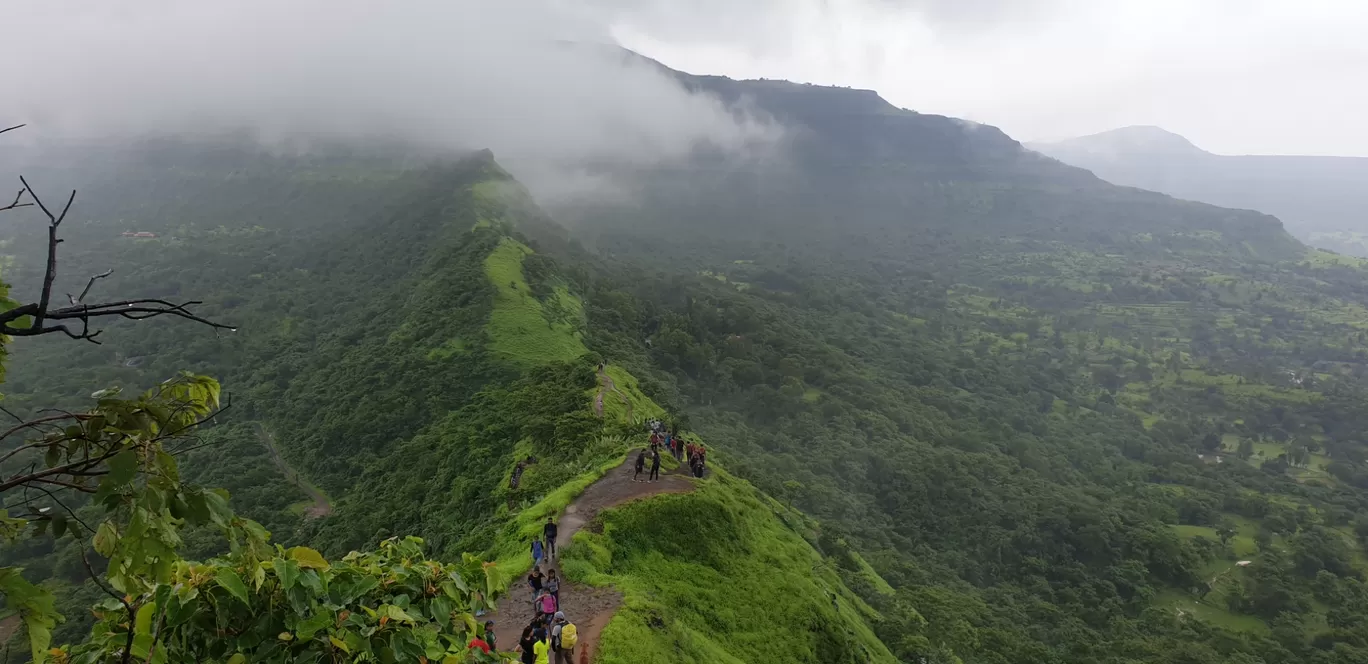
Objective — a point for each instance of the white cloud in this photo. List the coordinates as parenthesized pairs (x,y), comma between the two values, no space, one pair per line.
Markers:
(1278,76)
(447,74)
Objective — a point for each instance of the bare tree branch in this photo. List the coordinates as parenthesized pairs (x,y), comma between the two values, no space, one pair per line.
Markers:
(16,204)
(50,275)
(63,505)
(33,424)
(102,275)
(80,468)
(13,323)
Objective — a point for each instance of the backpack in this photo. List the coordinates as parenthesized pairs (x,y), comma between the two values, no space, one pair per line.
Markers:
(553,585)
(569,636)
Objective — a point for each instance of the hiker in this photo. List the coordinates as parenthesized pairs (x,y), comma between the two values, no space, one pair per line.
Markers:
(565,636)
(534,580)
(542,650)
(478,642)
(526,645)
(490,637)
(640,464)
(553,585)
(549,531)
(557,622)
(537,551)
(655,466)
(546,604)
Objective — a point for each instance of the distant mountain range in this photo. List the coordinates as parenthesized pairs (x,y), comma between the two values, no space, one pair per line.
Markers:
(1323,200)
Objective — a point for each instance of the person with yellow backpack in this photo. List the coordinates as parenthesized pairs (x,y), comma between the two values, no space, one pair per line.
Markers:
(564,638)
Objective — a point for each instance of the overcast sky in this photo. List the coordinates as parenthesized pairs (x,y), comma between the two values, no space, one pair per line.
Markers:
(1234,76)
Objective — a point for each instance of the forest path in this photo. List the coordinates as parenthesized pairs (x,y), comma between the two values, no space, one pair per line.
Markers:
(588,607)
(606,384)
(321,505)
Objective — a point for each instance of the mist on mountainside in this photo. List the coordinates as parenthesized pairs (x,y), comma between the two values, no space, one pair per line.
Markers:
(531,81)
(1322,200)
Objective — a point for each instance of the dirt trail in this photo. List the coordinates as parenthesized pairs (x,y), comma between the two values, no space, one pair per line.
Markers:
(588,607)
(321,506)
(606,385)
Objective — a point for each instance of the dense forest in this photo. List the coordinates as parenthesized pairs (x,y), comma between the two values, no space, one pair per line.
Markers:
(1014,413)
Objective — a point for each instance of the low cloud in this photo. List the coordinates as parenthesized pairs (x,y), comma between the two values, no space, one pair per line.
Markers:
(533,81)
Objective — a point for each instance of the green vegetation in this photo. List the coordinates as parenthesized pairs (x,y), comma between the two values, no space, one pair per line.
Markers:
(726,577)
(1009,413)
(518,327)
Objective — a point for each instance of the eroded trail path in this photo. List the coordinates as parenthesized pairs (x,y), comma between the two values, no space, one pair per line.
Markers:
(320,507)
(607,385)
(588,607)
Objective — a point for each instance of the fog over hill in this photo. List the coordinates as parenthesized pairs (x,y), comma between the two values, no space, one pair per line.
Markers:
(1323,200)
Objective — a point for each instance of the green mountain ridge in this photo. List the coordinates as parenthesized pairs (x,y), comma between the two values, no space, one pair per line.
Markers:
(486,324)
(1003,411)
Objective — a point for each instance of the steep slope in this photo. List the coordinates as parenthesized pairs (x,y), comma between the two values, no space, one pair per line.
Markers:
(407,355)
(1020,392)
(855,179)
(1321,199)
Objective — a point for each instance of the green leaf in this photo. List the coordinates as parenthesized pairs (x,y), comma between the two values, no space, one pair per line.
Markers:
(106,539)
(287,571)
(36,606)
(59,526)
(198,507)
(312,581)
(231,582)
(217,502)
(167,465)
(123,467)
(54,455)
(397,614)
(237,659)
(339,644)
(319,620)
(308,558)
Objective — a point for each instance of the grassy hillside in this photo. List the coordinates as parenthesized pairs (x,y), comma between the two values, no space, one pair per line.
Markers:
(719,575)
(406,357)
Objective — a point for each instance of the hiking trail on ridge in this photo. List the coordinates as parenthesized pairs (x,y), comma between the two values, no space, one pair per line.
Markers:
(588,607)
(606,384)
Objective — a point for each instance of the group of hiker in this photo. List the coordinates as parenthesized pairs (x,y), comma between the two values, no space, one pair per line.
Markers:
(680,448)
(550,638)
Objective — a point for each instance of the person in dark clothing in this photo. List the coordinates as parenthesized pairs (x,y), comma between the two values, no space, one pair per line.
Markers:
(549,532)
(534,581)
(640,465)
(525,644)
(655,467)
